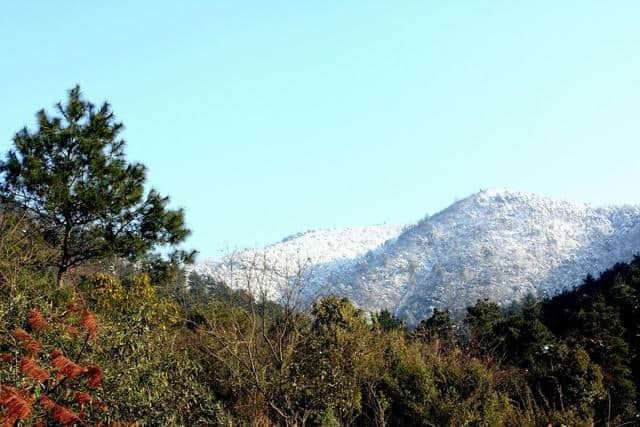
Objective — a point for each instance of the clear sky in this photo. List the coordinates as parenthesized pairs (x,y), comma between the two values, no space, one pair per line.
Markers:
(266,118)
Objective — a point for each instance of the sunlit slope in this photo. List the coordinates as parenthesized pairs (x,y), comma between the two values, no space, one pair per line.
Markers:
(495,244)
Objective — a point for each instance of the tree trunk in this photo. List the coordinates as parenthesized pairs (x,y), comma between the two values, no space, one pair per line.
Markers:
(61,271)
(64,257)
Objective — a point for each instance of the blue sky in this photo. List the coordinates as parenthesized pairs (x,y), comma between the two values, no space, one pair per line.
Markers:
(263,119)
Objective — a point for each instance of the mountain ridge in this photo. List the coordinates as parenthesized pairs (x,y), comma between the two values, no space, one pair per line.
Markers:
(497,244)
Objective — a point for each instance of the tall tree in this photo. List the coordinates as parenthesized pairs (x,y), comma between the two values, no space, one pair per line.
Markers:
(89,202)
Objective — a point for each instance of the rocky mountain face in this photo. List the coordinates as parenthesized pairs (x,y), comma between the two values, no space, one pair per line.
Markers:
(495,244)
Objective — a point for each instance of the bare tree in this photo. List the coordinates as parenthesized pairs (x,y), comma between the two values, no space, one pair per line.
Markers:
(259,343)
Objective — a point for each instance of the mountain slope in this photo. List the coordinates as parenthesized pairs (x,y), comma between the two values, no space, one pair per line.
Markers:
(314,255)
(495,244)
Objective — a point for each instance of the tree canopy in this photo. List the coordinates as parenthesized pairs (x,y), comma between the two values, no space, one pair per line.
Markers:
(72,176)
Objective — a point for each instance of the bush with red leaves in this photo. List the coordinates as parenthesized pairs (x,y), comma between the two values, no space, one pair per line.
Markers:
(53,386)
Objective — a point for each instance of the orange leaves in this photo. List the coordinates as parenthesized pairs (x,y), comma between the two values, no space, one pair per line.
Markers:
(65,416)
(82,397)
(46,402)
(33,370)
(55,353)
(88,320)
(65,366)
(36,321)
(89,323)
(95,376)
(17,402)
(22,335)
(32,345)
(73,370)
(33,348)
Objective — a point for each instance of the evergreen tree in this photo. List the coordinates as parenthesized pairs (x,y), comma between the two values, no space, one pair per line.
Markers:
(481,321)
(71,175)
(440,325)
(386,321)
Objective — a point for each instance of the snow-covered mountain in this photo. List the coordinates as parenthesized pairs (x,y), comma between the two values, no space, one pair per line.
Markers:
(495,244)
(310,257)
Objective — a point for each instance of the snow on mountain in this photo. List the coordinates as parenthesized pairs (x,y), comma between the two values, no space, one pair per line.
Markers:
(495,244)
(308,256)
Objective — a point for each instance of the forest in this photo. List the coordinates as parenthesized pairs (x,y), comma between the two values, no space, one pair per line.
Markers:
(101,322)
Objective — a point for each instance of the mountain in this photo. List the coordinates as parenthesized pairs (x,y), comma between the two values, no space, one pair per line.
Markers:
(495,244)
(311,256)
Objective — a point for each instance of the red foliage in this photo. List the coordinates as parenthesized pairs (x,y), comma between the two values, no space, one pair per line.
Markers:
(22,335)
(31,369)
(89,322)
(36,321)
(95,376)
(33,346)
(46,402)
(65,366)
(82,397)
(65,416)
(17,402)
(16,405)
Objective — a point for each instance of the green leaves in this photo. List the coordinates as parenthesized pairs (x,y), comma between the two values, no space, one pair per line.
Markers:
(72,176)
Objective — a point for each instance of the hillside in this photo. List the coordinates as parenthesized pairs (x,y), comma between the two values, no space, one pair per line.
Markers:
(495,244)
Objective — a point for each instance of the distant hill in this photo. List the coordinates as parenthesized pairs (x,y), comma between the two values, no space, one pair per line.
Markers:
(495,244)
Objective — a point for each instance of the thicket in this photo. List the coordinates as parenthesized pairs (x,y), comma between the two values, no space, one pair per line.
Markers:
(138,341)
(570,360)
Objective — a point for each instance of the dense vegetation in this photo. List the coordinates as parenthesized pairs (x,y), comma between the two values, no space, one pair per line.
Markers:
(128,337)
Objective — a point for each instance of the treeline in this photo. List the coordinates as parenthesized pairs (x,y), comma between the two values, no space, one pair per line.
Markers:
(571,360)
(98,328)
(172,353)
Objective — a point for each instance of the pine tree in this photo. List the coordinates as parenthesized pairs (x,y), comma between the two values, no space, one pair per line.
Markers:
(440,325)
(387,321)
(72,177)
